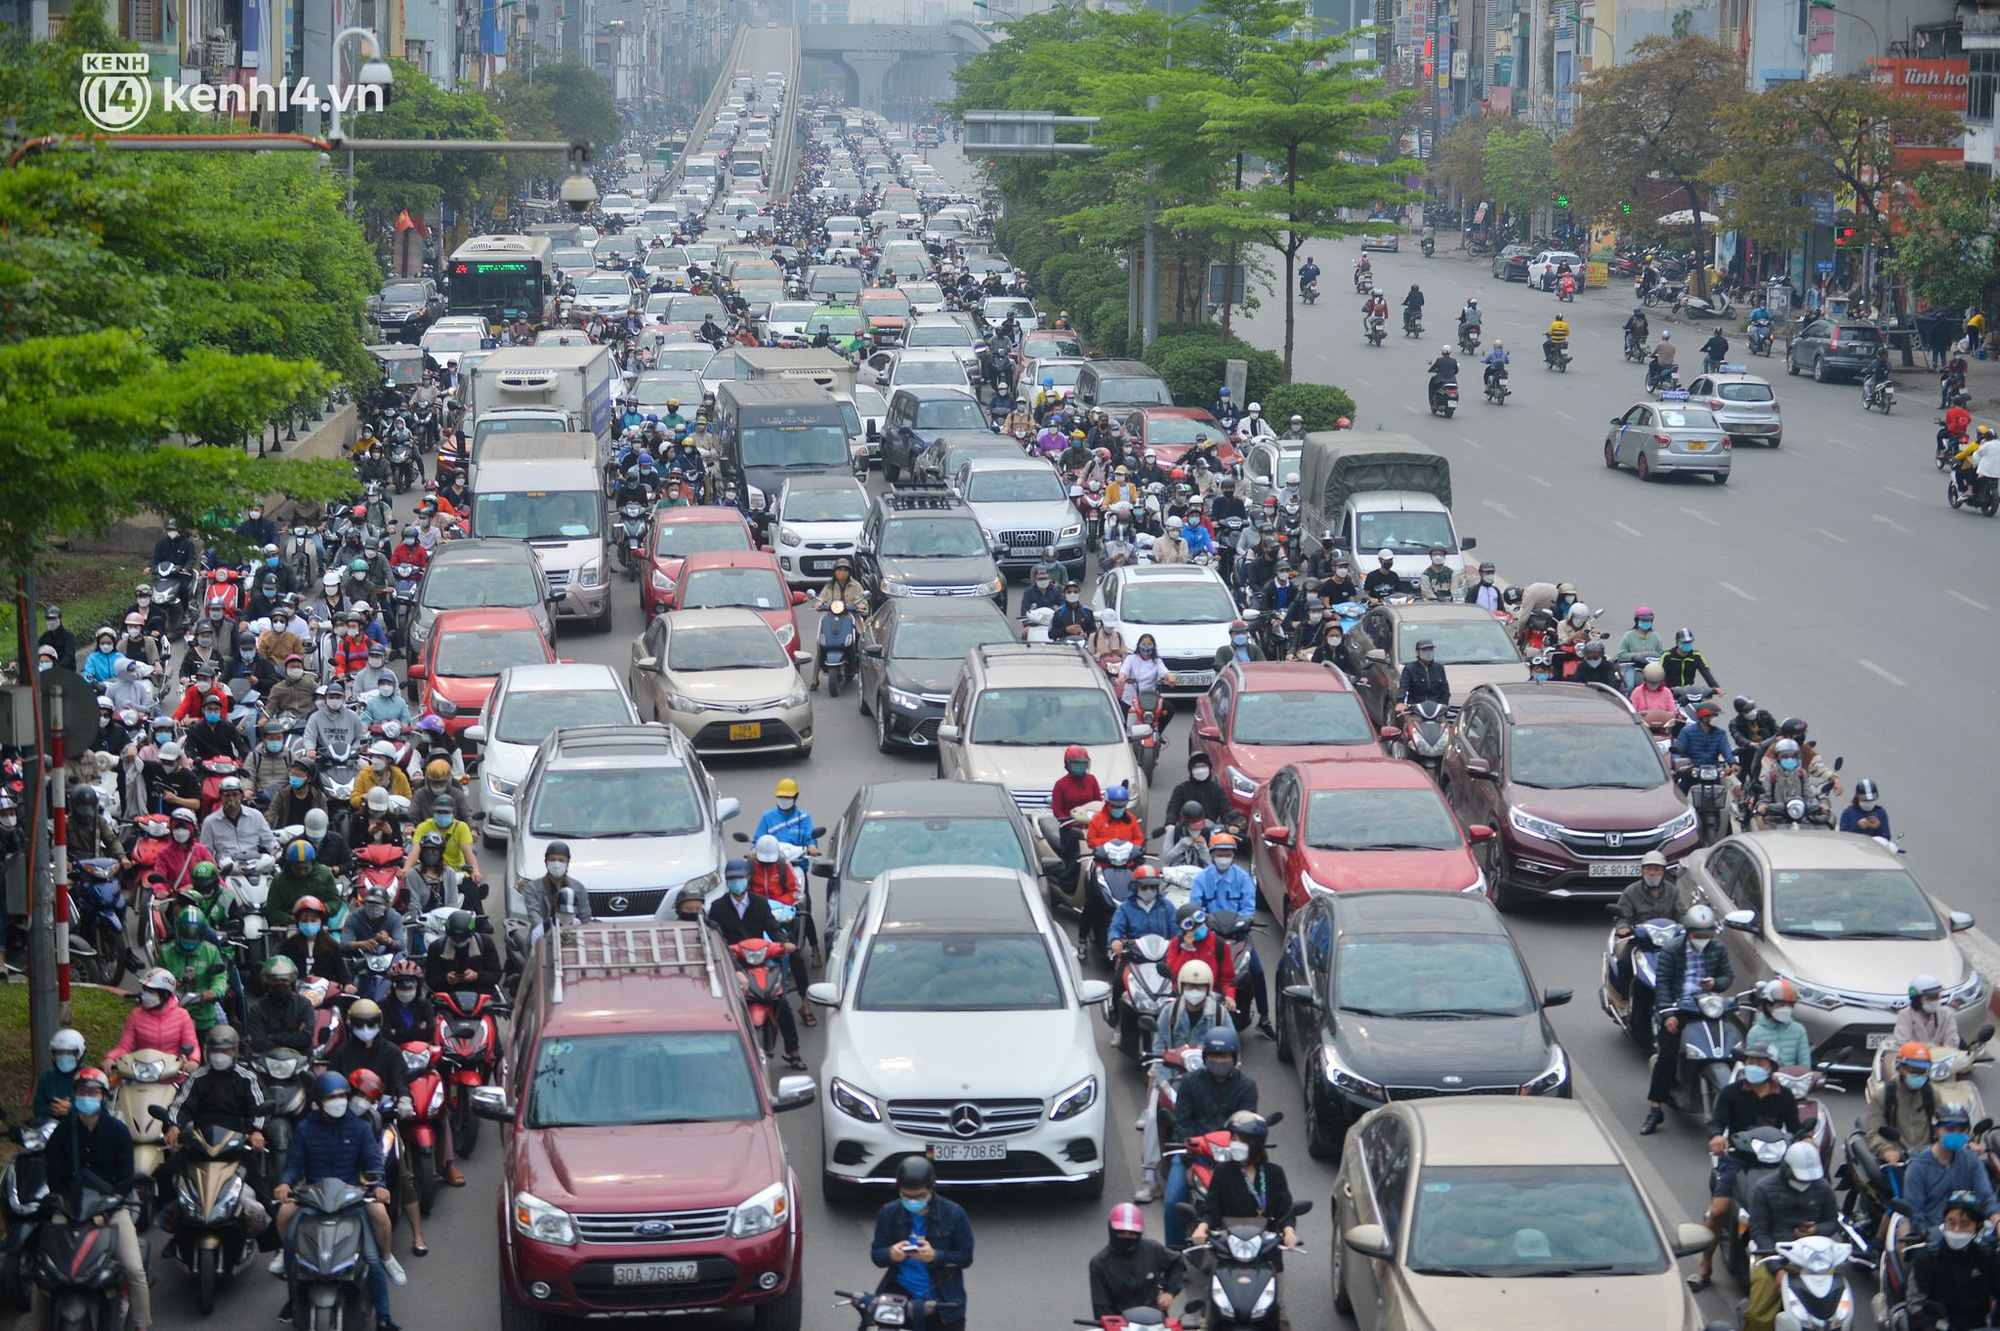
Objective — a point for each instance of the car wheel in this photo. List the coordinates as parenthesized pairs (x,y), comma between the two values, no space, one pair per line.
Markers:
(1722,478)
(884,741)
(1284,1026)
(1342,1302)
(1611,455)
(890,471)
(784,1313)
(1819,369)
(861,697)
(1321,1141)
(1643,467)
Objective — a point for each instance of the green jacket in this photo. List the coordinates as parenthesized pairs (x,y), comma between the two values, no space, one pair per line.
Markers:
(204,970)
(286,889)
(216,910)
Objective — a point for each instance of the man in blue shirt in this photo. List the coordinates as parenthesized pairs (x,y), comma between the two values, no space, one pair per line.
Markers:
(923,1243)
(1223,885)
(1144,912)
(1947,1166)
(787,822)
(332,1143)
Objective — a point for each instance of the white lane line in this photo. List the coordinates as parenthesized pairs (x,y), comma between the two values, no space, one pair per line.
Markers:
(1699,516)
(1891,522)
(1894,491)
(1499,508)
(1565,415)
(1628,529)
(1845,444)
(1544,484)
(1961,596)
(1838,540)
(1732,587)
(1412,410)
(1872,668)
(1470,440)
(1864,425)
(1365,383)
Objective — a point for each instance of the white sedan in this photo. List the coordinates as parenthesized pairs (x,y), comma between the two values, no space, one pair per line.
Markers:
(1542,268)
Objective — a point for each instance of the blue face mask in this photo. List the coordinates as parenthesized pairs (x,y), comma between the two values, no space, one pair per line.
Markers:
(272,561)
(1954,1141)
(211,717)
(1789,764)
(1201,934)
(1916,1081)
(1645,625)
(1684,647)
(274,746)
(188,944)
(1240,639)
(445,820)
(916,1205)
(310,928)
(1756,1073)
(87,1105)
(297,782)
(65,1062)
(738,886)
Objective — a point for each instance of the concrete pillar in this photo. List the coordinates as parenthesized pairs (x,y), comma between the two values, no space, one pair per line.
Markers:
(870,68)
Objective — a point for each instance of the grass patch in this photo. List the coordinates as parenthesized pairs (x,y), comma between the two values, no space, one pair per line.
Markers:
(92,589)
(98,1013)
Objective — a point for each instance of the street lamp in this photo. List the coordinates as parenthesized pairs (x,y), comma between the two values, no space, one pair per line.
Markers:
(375,73)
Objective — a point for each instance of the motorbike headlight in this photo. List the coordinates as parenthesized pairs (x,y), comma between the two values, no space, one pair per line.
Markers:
(189,1199)
(1553,1076)
(759,500)
(1241,786)
(228,1200)
(1679,826)
(1345,1079)
(787,536)
(854,1102)
(908,702)
(1244,1247)
(1074,1100)
(1264,1301)
(1530,825)
(536,1219)
(761,1214)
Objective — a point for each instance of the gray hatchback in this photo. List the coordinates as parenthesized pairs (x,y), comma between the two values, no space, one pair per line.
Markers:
(1829,348)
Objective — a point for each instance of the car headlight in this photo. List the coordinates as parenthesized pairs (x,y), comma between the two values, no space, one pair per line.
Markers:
(1071,532)
(854,1103)
(1966,994)
(1312,886)
(995,587)
(1553,1076)
(908,702)
(680,702)
(796,698)
(786,536)
(1241,786)
(895,587)
(662,583)
(1345,1079)
(1532,826)
(500,786)
(537,1220)
(443,706)
(591,574)
(761,1214)
(1813,995)
(787,633)
(1074,1100)
(1679,826)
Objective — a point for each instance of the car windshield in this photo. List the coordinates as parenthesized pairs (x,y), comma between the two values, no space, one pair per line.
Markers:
(529,716)
(945,639)
(690,309)
(1038,485)
(452,339)
(1402,533)
(488,652)
(403,293)
(1851,903)
(1687,418)
(950,413)
(605,285)
(885,307)
(537,515)
(636,1078)
(570,258)
(616,201)
(780,446)
(1431,976)
(1531,1220)
(1146,392)
(869,401)
(754,588)
(1860,333)
(1558,757)
(939,335)
(628,801)
(688,360)
(930,293)
(909,971)
(657,392)
(677,540)
(730,647)
(1193,601)
(1744,392)
(846,504)
(1379,820)
(932,538)
(483,582)
(1300,716)
(1175,431)
(1033,717)
(1464,642)
(838,325)
(1064,374)
(882,844)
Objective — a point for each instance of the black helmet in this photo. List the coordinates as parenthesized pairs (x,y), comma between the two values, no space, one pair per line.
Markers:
(916,1171)
(689,892)
(556,848)
(1189,911)
(458,925)
(1745,704)
(1792,727)
(1192,812)
(1865,790)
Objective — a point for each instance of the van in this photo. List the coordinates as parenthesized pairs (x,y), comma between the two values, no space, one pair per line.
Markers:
(702,171)
(747,167)
(1121,383)
(767,432)
(830,370)
(546,490)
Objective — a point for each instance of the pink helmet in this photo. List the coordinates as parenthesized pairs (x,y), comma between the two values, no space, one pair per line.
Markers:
(1643,612)
(1127,1219)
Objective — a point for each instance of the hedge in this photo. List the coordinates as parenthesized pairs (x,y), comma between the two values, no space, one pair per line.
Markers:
(1192,364)
(1105,325)
(1321,404)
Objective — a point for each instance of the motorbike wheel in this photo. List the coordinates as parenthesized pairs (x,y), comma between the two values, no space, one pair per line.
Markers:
(1714,827)
(1149,758)
(1128,1032)
(206,1277)
(464,1125)
(1952,496)
(833,683)
(427,1181)
(13,1289)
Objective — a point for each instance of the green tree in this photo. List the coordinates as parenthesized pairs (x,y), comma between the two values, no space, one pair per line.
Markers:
(1949,252)
(386,183)
(1518,166)
(1659,116)
(1458,161)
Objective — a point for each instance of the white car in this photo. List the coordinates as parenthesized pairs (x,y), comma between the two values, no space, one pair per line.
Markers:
(905,368)
(609,292)
(943,332)
(620,208)
(959,1028)
(530,702)
(926,297)
(818,520)
(789,318)
(1185,608)
(1542,268)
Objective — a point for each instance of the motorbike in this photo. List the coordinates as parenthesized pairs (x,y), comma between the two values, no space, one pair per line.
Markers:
(97,920)
(1715,305)
(1148,720)
(633,520)
(408,577)
(380,866)
(1243,1286)
(206,1228)
(1109,883)
(1143,989)
(1879,396)
(324,996)
(1760,337)
(1444,399)
(403,469)
(1984,494)
(888,1310)
(1498,388)
(76,1265)
(1557,357)
(766,971)
(1666,293)
(1813,1293)
(1812,810)
(282,1073)
(25,1187)
(1468,340)
(1815,1123)
(1566,288)
(1364,281)
(841,665)
(1310,293)
(1708,792)
(1758,1153)
(1374,331)
(1668,380)
(327,1253)
(428,426)
(147,1078)
(171,583)
(1413,324)
(420,1136)
(1428,246)
(469,1030)
(1132,1317)
(1426,732)
(1234,931)
(1635,350)
(1710,1044)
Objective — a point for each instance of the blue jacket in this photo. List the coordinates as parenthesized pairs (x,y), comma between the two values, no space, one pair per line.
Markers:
(1235,890)
(102,667)
(1851,816)
(1928,1182)
(949,1233)
(1702,747)
(1135,921)
(795,827)
(343,1148)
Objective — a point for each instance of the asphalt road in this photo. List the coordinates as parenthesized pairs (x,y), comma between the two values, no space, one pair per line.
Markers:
(1787,576)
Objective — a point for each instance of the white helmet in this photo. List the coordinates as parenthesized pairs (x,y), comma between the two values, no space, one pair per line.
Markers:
(1445,349)
(1802,1162)
(1256,407)
(767,851)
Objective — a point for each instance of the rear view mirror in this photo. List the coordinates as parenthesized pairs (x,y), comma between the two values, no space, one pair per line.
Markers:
(1370,1241)
(1743,921)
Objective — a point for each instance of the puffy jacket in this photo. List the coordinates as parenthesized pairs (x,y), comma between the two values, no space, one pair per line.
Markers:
(342,1148)
(1205,1103)
(1793,1044)
(1133,920)
(1702,746)
(1672,972)
(397,780)
(203,971)
(167,1028)
(1211,950)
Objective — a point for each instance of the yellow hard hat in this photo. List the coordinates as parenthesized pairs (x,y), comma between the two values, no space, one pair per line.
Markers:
(787,789)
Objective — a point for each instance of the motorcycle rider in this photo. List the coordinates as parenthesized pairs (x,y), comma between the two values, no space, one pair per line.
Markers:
(93,1148)
(1928,1019)
(1864,815)
(836,630)
(1775,1026)
(1443,370)
(1785,778)
(923,1242)
(1382,581)
(1704,743)
(1205,1103)
(1947,1166)
(1495,360)
(1308,274)
(1224,885)
(279,1017)
(332,724)
(1683,664)
(1753,728)
(1196,1010)
(1074,788)
(1556,339)
(1958,1270)
(1144,912)
(1793,1203)
(1132,1271)
(1225,410)
(1484,592)
(1469,320)
(1373,308)
(1413,308)
(53,1088)
(1700,965)
(1200,788)
(1073,619)
(554,897)
(174,547)
(1593,667)
(335,1144)
(1755,1100)
(314,950)
(223,1091)
(462,958)
(1653,895)
(1876,375)
(1246,1184)
(1714,352)
(741,914)
(1653,695)
(1661,361)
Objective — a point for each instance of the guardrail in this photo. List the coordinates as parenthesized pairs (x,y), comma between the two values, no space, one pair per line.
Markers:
(787,137)
(716,96)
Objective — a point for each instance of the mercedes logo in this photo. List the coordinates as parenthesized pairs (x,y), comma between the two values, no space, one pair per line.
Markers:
(652,1229)
(1614,839)
(966,1121)
(619,905)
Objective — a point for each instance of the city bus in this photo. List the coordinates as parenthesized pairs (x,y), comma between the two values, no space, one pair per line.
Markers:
(504,278)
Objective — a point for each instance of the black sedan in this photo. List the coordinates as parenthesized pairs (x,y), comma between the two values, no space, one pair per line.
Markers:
(912,650)
(1511,263)
(1401,995)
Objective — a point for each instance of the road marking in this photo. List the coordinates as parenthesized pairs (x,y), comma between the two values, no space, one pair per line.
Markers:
(1470,440)
(1870,666)
(1894,491)
(1628,529)
(1890,522)
(1845,444)
(1732,587)
(1699,516)
(1499,508)
(1544,484)
(1864,425)
(1565,415)
(1967,599)
(1412,410)
(1838,540)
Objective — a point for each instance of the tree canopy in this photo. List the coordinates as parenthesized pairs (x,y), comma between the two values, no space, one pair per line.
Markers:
(389,183)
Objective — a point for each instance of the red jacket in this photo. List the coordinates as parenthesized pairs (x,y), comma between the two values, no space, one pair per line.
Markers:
(1211,950)
(167,1028)
(350,654)
(1103,828)
(774,882)
(1071,791)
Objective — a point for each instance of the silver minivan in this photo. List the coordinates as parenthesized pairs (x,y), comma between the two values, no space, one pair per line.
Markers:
(545,490)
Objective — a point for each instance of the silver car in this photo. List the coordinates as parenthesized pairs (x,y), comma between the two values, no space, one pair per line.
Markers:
(1022,504)
(1743,404)
(529,704)
(1668,436)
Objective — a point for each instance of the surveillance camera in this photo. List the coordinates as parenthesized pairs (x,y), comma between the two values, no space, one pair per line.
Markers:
(579,192)
(376,74)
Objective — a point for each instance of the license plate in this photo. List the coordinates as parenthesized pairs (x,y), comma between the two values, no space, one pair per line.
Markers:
(1614,869)
(964,1151)
(747,730)
(1027,548)
(1195,678)
(1881,1039)
(1697,445)
(651,1273)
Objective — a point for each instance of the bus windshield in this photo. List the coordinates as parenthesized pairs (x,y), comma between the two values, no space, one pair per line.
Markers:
(506,289)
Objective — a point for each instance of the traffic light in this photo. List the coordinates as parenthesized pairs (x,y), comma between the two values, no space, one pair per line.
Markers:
(1625,208)
(1562,201)
(1843,237)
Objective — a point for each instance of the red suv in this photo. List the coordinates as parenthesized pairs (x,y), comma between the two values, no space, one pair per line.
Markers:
(1568,777)
(1260,715)
(645,1173)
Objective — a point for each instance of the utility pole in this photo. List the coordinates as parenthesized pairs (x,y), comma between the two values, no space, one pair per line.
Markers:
(1151,326)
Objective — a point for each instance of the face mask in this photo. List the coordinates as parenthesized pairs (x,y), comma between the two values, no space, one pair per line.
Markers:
(1071,597)
(188,944)
(310,928)
(1789,764)
(406,993)
(1220,1068)
(437,787)
(558,869)
(1958,1239)
(1237,1151)
(1954,1141)
(1426,657)
(787,803)
(445,820)
(66,1062)
(1645,626)
(334,1108)
(162,736)
(916,1205)
(1540,676)
(1198,773)
(379,764)
(211,717)
(1316,616)
(296,782)
(152,998)
(205,640)
(1756,1074)
(1195,996)
(222,1062)
(1147,895)
(1224,863)
(1201,934)
(274,746)
(1486,579)
(366,1034)
(375,912)
(1916,1081)
(1868,806)
(1077,769)
(295,672)
(739,886)
(1240,639)
(87,1105)
(1041,582)
(386,688)
(1123,1244)
(1437,561)
(182,834)
(334,704)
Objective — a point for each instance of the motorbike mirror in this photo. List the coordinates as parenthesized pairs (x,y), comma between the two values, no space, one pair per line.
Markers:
(1676,870)
(1838,763)
(1610,907)
(1556,997)
(1278,836)
(1391,732)
(1481,832)
(1691,1239)
(159,1112)
(1370,1241)
(1982,1127)
(1985,1034)
(1186,1211)
(1298,1208)
(744,837)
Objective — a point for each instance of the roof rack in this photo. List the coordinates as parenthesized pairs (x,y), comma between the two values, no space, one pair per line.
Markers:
(990,650)
(625,949)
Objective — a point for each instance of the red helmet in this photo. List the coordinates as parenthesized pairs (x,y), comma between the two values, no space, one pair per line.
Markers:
(1076,753)
(365,1082)
(360,510)
(304,904)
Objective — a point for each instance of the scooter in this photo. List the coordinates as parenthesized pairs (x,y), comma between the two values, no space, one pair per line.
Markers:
(633,519)
(1498,388)
(1557,357)
(1758,1153)
(1310,293)
(1234,931)
(207,1230)
(1444,399)
(1760,337)
(1428,246)
(469,1030)
(97,920)
(327,1253)
(1413,324)
(1813,1293)
(839,664)
(1149,718)
(1143,989)
(170,591)
(1983,496)
(889,1310)
(766,970)
(76,1264)
(25,1187)
(1141,1317)
(251,884)
(1710,1046)
(1243,1286)
(147,1078)
(1708,792)
(403,470)
(1110,882)
(1426,732)
(1468,340)
(282,1073)
(420,1063)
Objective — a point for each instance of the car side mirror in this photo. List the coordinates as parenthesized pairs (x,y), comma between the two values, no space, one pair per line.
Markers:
(1691,1239)
(1208,733)
(1479,768)
(475,734)
(824,993)
(798,598)
(1469,543)
(646,663)
(1960,921)
(949,734)
(1278,836)
(1092,992)
(1480,832)
(492,1102)
(873,649)
(823,869)
(501,816)
(1390,732)
(415,670)
(1300,993)
(1556,997)
(793,1093)
(1370,1241)
(727,807)
(1743,921)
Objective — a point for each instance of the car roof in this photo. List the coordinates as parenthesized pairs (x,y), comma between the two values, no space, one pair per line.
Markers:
(945,607)
(818,481)
(475,550)
(998,462)
(1402,911)
(699,513)
(917,799)
(1510,1130)
(563,675)
(1418,612)
(484,619)
(728,559)
(967,899)
(1173,413)
(1035,659)
(936,392)
(1131,573)
(1366,774)
(716,617)
(1817,850)
(1290,677)
(617,745)
(1583,703)
(1736,377)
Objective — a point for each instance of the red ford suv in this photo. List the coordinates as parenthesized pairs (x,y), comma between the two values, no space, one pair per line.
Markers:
(644,1173)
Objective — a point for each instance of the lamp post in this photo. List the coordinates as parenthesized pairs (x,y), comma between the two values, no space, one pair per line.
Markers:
(374,73)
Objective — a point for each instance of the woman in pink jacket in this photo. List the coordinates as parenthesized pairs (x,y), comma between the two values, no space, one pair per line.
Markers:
(159,1022)
(1654,695)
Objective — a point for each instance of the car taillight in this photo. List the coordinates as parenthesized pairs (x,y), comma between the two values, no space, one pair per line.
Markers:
(1662,440)
(1715,404)
(1833,341)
